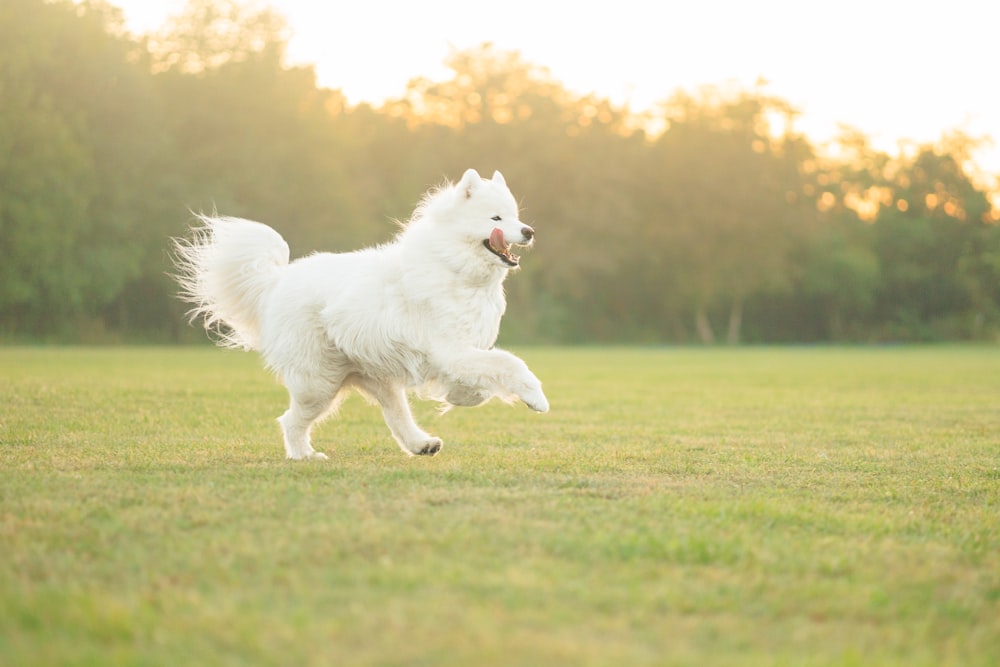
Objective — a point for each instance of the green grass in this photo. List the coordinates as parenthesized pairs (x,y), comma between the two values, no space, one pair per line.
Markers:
(677,506)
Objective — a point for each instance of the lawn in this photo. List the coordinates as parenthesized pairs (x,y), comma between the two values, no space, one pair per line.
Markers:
(751,506)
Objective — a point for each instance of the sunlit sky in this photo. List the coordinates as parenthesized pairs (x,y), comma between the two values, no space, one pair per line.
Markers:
(894,69)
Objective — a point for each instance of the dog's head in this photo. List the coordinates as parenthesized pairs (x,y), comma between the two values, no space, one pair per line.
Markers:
(489,216)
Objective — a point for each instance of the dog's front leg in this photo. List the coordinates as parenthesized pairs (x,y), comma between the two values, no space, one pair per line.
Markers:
(493,372)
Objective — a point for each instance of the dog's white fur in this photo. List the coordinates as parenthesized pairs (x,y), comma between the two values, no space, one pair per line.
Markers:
(421,312)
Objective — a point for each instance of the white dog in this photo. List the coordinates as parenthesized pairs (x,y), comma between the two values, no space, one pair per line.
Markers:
(421,312)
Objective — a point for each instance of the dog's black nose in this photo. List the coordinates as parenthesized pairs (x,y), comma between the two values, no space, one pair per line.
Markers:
(527,232)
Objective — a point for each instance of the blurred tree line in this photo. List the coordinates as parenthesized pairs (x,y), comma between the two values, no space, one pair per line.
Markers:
(725,225)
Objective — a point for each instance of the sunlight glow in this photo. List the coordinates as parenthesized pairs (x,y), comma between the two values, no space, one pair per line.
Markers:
(866,205)
(826,202)
(371,50)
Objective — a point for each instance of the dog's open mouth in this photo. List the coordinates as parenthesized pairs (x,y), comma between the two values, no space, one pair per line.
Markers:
(499,247)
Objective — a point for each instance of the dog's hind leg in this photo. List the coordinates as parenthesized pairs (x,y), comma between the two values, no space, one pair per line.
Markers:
(311,400)
(398,417)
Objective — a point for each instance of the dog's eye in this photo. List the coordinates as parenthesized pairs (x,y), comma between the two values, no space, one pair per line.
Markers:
(495,218)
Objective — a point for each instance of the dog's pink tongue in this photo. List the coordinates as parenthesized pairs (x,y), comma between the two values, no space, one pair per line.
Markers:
(496,238)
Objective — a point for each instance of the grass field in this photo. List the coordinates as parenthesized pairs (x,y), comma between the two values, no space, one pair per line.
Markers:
(788,506)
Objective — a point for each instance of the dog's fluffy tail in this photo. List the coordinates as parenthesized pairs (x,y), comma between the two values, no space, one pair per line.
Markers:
(225,270)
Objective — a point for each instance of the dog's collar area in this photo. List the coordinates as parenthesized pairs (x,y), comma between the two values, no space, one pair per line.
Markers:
(508,258)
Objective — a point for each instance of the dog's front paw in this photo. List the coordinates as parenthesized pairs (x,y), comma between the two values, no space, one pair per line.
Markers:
(529,390)
(535,400)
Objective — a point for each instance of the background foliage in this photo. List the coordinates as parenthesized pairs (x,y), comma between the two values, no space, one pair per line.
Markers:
(727,225)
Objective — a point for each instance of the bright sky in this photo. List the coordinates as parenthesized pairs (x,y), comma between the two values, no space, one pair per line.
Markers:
(894,69)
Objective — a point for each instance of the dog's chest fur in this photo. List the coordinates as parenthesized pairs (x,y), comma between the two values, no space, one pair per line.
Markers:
(461,314)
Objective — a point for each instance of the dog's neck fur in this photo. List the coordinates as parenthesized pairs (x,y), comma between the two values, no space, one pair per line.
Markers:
(465,260)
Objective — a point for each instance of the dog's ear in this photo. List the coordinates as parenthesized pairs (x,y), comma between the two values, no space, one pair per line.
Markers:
(470,181)
(498,178)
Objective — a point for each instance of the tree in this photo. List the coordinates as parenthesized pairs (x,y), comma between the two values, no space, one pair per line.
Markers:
(77,166)
(726,216)
(210,33)
(929,222)
(729,199)
(840,277)
(922,242)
